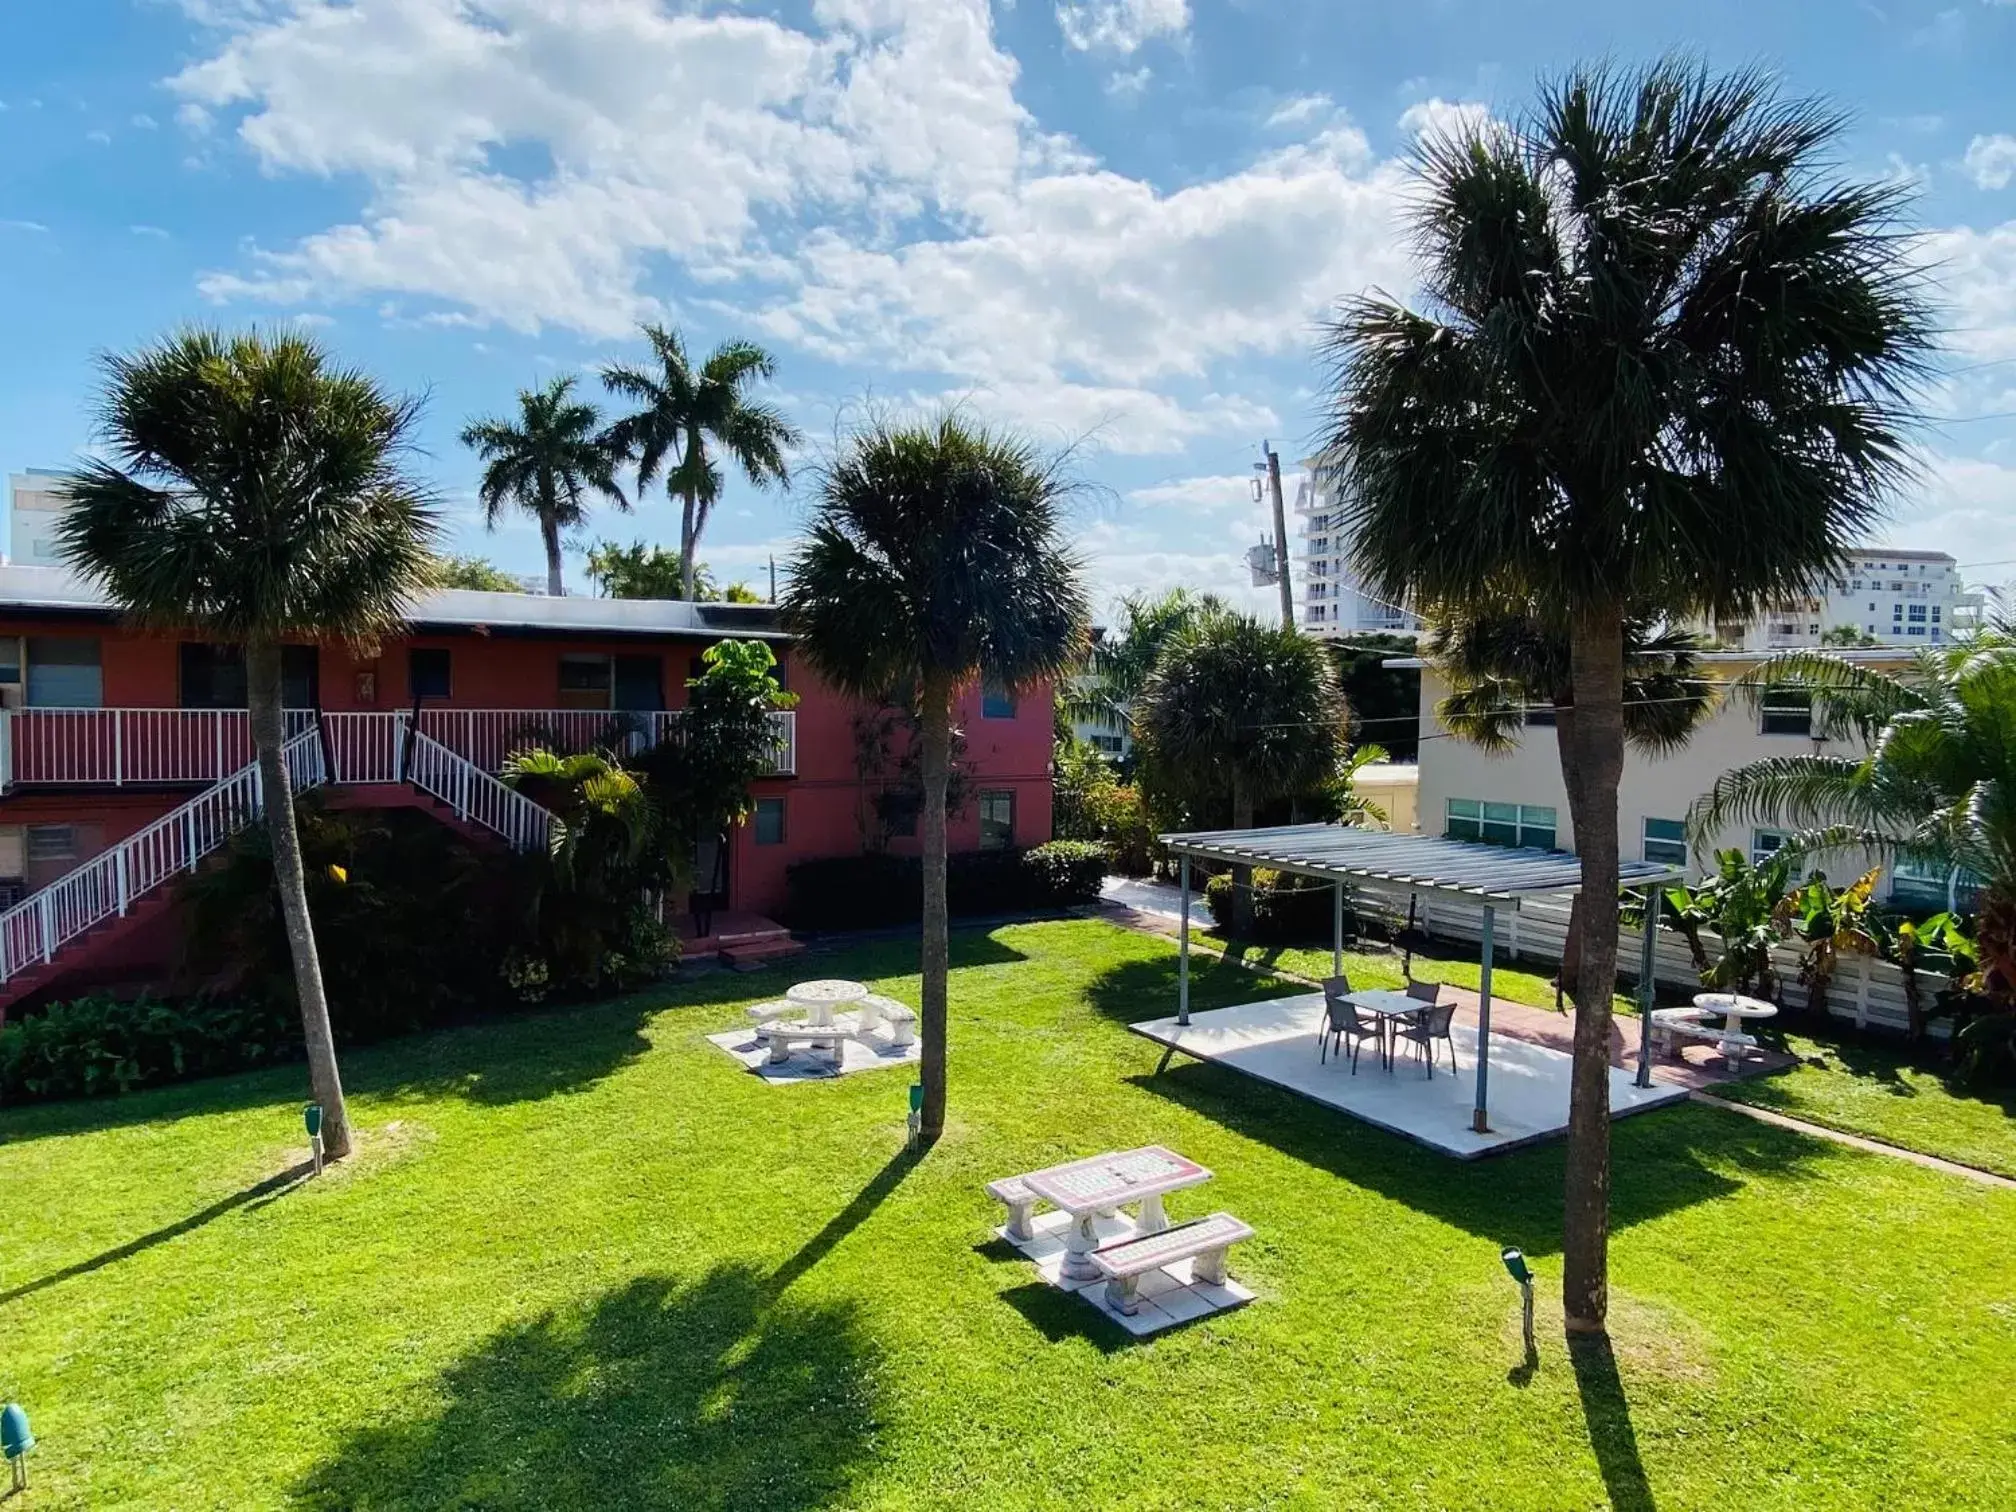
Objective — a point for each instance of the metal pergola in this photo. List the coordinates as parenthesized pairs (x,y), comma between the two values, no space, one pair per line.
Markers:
(1492,877)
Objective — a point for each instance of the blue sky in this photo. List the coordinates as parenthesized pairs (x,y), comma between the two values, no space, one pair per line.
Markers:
(1111,222)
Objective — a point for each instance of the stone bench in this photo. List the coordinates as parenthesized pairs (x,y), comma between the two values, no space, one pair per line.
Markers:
(1667,1023)
(1020,1202)
(780,1037)
(1203,1242)
(877,1012)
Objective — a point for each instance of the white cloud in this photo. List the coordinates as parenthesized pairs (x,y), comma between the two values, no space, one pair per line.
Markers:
(1129,84)
(1120,25)
(1202,495)
(532,171)
(1974,273)
(1440,117)
(1991,160)
(1967,506)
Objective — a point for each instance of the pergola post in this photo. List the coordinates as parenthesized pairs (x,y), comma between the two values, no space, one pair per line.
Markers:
(1183,947)
(1478,1121)
(1647,989)
(1337,930)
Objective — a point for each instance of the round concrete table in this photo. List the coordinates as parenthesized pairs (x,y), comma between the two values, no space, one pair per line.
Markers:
(820,998)
(1734,1008)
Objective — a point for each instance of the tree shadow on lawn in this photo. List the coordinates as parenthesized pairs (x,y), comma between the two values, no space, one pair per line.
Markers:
(257,1194)
(1134,991)
(1661,1160)
(717,1393)
(1607,1415)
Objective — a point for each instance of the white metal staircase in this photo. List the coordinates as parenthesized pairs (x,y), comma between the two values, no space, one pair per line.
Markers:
(360,748)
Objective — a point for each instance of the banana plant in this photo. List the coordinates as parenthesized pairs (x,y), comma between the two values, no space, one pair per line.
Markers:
(1830,922)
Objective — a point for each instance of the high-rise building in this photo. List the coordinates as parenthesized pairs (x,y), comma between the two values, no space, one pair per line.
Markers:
(1882,593)
(1333,600)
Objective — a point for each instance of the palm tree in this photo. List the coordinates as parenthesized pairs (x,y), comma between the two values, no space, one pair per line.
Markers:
(1937,787)
(1241,710)
(546,462)
(1663,359)
(254,494)
(1507,666)
(1117,668)
(936,556)
(681,410)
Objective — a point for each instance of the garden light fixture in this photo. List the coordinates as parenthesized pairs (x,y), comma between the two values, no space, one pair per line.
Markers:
(16,1441)
(1517,1268)
(311,1118)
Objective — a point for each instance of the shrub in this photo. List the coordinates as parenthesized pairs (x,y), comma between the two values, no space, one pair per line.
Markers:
(1287,909)
(96,1045)
(1068,871)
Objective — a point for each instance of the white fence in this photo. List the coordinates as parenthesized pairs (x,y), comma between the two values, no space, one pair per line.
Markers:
(106,885)
(1864,990)
(118,747)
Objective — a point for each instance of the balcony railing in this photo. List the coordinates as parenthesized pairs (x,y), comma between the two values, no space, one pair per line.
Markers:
(136,747)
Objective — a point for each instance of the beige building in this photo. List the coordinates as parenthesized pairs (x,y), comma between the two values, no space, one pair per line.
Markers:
(1519,798)
(34,507)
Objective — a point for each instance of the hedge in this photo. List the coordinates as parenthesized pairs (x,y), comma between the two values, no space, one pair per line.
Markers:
(95,1045)
(1287,909)
(872,891)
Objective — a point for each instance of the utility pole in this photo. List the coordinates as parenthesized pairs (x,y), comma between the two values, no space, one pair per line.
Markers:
(773,580)
(1280,536)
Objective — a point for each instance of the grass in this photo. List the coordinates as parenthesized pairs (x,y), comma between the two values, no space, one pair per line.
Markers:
(584,1261)
(1868,1088)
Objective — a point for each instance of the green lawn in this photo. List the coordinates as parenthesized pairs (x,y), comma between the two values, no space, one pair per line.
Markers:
(1869,1089)
(584,1261)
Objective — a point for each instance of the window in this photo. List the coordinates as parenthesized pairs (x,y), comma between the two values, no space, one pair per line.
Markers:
(1540,715)
(996,702)
(1500,823)
(1935,614)
(1764,844)
(1786,711)
(427,672)
(584,682)
(1917,611)
(213,677)
(997,820)
(638,683)
(52,842)
(63,672)
(1915,885)
(769,821)
(1665,841)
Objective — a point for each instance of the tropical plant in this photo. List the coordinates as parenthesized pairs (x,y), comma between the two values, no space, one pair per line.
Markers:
(1244,711)
(478,573)
(1744,904)
(547,461)
(1936,787)
(936,556)
(255,493)
(1663,360)
(1118,665)
(681,412)
(638,571)
(1831,922)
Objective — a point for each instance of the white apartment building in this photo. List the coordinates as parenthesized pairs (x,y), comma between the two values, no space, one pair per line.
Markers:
(1519,798)
(34,506)
(1906,598)
(1333,602)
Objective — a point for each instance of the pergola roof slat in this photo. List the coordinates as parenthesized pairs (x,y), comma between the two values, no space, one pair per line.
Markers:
(1466,869)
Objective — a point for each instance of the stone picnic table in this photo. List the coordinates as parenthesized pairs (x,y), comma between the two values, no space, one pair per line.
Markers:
(1101,1183)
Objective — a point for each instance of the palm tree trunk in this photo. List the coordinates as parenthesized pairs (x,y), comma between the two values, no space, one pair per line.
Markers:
(262,688)
(1242,876)
(1592,765)
(549,531)
(935,709)
(686,547)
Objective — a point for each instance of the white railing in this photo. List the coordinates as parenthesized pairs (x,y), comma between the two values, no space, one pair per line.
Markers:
(106,885)
(118,747)
(476,796)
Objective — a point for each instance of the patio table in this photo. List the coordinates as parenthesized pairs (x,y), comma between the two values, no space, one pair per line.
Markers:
(1086,1188)
(820,998)
(1388,1007)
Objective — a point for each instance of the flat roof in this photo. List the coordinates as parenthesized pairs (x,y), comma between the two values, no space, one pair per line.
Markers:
(1468,870)
(1858,655)
(57,590)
